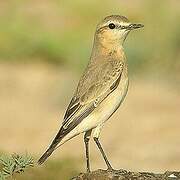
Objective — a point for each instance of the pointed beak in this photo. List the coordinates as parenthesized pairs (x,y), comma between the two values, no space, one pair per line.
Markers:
(134,26)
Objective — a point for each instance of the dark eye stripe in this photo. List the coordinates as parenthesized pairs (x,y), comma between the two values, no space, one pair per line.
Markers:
(123,27)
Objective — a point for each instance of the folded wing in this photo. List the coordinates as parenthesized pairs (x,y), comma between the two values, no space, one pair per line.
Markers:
(93,88)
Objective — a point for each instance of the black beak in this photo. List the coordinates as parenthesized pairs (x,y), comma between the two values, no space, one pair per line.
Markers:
(134,26)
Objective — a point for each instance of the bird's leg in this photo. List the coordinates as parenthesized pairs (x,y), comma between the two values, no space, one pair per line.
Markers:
(103,153)
(96,139)
(86,141)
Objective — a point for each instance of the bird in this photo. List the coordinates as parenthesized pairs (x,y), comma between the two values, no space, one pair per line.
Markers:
(101,88)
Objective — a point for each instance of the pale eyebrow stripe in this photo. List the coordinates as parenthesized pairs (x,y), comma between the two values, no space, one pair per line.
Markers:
(116,23)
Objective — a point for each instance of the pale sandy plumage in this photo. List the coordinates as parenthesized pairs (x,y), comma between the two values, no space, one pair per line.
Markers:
(101,88)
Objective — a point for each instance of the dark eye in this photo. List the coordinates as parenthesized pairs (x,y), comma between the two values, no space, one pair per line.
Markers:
(112,26)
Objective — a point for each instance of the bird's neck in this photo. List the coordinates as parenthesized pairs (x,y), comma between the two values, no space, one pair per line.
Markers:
(106,49)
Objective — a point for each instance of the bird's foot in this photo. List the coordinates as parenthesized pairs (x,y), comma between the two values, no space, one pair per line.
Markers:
(88,170)
(110,169)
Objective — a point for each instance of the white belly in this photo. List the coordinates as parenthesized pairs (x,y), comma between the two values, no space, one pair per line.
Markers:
(102,112)
(107,107)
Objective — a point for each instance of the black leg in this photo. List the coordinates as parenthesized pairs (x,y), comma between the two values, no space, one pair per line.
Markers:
(86,141)
(103,154)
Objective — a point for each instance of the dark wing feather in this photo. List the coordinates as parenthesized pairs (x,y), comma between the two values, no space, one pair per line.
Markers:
(71,124)
(80,107)
(72,109)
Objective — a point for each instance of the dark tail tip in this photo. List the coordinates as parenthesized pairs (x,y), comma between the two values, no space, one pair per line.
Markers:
(45,156)
(51,148)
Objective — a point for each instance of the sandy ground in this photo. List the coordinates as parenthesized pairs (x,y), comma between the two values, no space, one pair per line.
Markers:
(142,135)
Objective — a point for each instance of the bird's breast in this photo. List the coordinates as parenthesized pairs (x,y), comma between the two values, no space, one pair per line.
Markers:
(106,108)
(103,112)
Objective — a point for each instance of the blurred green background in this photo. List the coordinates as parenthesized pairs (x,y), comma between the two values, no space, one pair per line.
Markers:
(44,47)
(61,32)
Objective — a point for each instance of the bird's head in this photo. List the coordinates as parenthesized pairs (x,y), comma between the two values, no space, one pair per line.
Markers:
(114,29)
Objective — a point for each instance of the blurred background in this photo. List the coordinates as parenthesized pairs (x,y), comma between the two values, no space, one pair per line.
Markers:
(44,47)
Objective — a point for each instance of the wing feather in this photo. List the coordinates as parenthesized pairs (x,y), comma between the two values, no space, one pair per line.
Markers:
(92,90)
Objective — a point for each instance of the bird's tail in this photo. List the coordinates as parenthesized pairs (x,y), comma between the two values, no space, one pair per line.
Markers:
(45,155)
(50,150)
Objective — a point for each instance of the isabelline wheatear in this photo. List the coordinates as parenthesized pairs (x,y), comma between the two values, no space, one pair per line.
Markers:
(101,88)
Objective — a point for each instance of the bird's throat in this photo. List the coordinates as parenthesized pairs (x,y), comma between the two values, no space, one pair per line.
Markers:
(107,50)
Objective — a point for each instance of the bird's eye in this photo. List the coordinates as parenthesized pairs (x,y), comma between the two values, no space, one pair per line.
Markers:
(112,26)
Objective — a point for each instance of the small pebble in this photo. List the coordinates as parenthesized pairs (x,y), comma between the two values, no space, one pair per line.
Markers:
(172,176)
